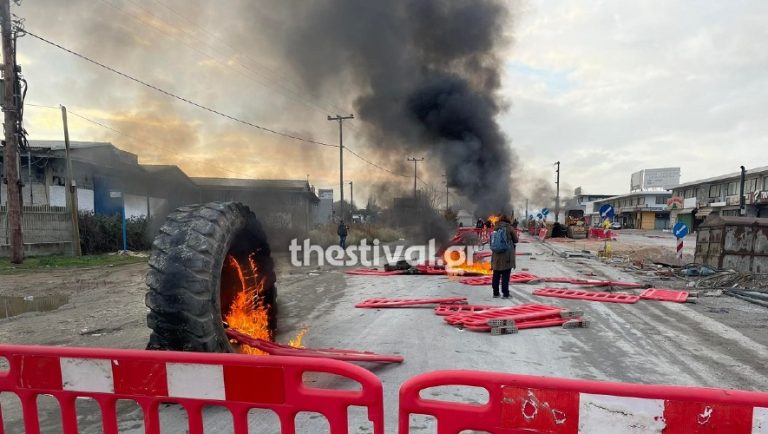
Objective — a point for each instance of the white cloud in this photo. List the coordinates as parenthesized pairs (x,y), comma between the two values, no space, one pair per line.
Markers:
(648,84)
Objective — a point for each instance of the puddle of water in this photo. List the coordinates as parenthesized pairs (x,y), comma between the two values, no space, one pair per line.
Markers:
(12,306)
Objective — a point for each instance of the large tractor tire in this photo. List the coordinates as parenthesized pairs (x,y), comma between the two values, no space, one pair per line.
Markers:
(193,278)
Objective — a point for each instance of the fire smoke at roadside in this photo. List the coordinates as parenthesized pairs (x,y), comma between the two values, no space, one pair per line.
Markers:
(425,75)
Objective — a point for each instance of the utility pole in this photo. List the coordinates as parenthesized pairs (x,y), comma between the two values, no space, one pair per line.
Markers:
(557,196)
(446,191)
(351,197)
(11,125)
(341,120)
(415,160)
(526,211)
(72,189)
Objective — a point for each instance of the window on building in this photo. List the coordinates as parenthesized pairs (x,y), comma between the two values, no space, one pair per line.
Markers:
(661,200)
(641,200)
(714,191)
(733,188)
(690,193)
(750,185)
(765,183)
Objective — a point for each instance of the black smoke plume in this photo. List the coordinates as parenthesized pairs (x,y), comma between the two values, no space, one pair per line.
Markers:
(423,75)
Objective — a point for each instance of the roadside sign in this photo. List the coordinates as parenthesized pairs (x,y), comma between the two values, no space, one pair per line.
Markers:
(680,230)
(607,211)
(545,211)
(539,216)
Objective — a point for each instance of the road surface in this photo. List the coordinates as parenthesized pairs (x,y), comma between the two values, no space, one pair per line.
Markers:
(720,342)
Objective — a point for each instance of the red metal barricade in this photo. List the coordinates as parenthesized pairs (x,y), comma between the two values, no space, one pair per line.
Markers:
(587,295)
(591,282)
(528,404)
(193,380)
(664,295)
(430,269)
(375,303)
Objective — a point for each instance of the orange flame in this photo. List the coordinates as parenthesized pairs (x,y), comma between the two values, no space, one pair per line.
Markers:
(476,267)
(494,219)
(297,341)
(247,312)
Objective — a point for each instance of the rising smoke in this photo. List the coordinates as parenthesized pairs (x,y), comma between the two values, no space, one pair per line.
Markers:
(425,76)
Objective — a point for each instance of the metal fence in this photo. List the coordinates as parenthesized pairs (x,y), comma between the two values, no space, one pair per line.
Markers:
(40,224)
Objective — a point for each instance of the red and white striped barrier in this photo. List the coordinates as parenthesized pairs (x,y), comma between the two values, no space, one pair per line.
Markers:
(193,380)
(520,403)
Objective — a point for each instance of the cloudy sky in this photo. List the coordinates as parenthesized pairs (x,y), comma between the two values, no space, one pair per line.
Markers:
(605,87)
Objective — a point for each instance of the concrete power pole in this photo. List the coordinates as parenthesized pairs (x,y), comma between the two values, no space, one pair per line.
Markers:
(11,125)
(557,196)
(341,120)
(415,160)
(351,197)
(71,187)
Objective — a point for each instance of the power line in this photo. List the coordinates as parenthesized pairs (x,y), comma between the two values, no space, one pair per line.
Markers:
(180,98)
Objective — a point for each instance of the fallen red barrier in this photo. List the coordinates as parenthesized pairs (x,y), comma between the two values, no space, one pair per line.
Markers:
(275,349)
(519,277)
(587,295)
(376,303)
(453,309)
(429,269)
(483,318)
(375,272)
(528,404)
(664,295)
(461,318)
(590,282)
(531,324)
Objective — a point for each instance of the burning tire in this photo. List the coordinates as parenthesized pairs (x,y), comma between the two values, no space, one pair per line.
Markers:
(208,261)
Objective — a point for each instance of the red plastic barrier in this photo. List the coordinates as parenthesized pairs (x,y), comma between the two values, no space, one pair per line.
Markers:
(521,403)
(275,349)
(529,324)
(542,234)
(193,380)
(459,319)
(664,295)
(587,295)
(376,303)
(590,282)
(602,234)
(482,318)
(520,277)
(453,309)
(375,272)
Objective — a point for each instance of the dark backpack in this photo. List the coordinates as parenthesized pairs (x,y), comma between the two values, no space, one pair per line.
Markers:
(499,241)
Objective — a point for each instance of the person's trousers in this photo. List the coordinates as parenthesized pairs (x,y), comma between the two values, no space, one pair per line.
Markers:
(343,241)
(502,275)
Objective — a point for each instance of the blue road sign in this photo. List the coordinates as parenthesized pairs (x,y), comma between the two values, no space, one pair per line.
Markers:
(539,216)
(607,211)
(680,230)
(545,211)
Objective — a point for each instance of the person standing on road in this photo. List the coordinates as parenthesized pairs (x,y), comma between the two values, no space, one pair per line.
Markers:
(342,232)
(479,224)
(503,241)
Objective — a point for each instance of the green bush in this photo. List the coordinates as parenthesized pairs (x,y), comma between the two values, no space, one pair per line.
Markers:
(103,234)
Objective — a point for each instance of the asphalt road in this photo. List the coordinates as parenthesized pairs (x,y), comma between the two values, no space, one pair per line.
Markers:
(648,342)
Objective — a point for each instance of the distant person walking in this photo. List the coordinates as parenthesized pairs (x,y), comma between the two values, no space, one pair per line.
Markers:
(342,232)
(503,241)
(479,224)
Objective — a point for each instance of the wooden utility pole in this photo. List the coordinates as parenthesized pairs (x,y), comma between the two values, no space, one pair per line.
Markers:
(11,125)
(415,160)
(351,197)
(341,120)
(71,189)
(557,196)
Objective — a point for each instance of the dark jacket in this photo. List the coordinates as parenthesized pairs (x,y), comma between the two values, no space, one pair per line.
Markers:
(506,260)
(342,231)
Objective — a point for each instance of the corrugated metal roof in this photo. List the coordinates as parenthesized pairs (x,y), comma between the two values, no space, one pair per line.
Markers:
(722,177)
(59,144)
(286,184)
